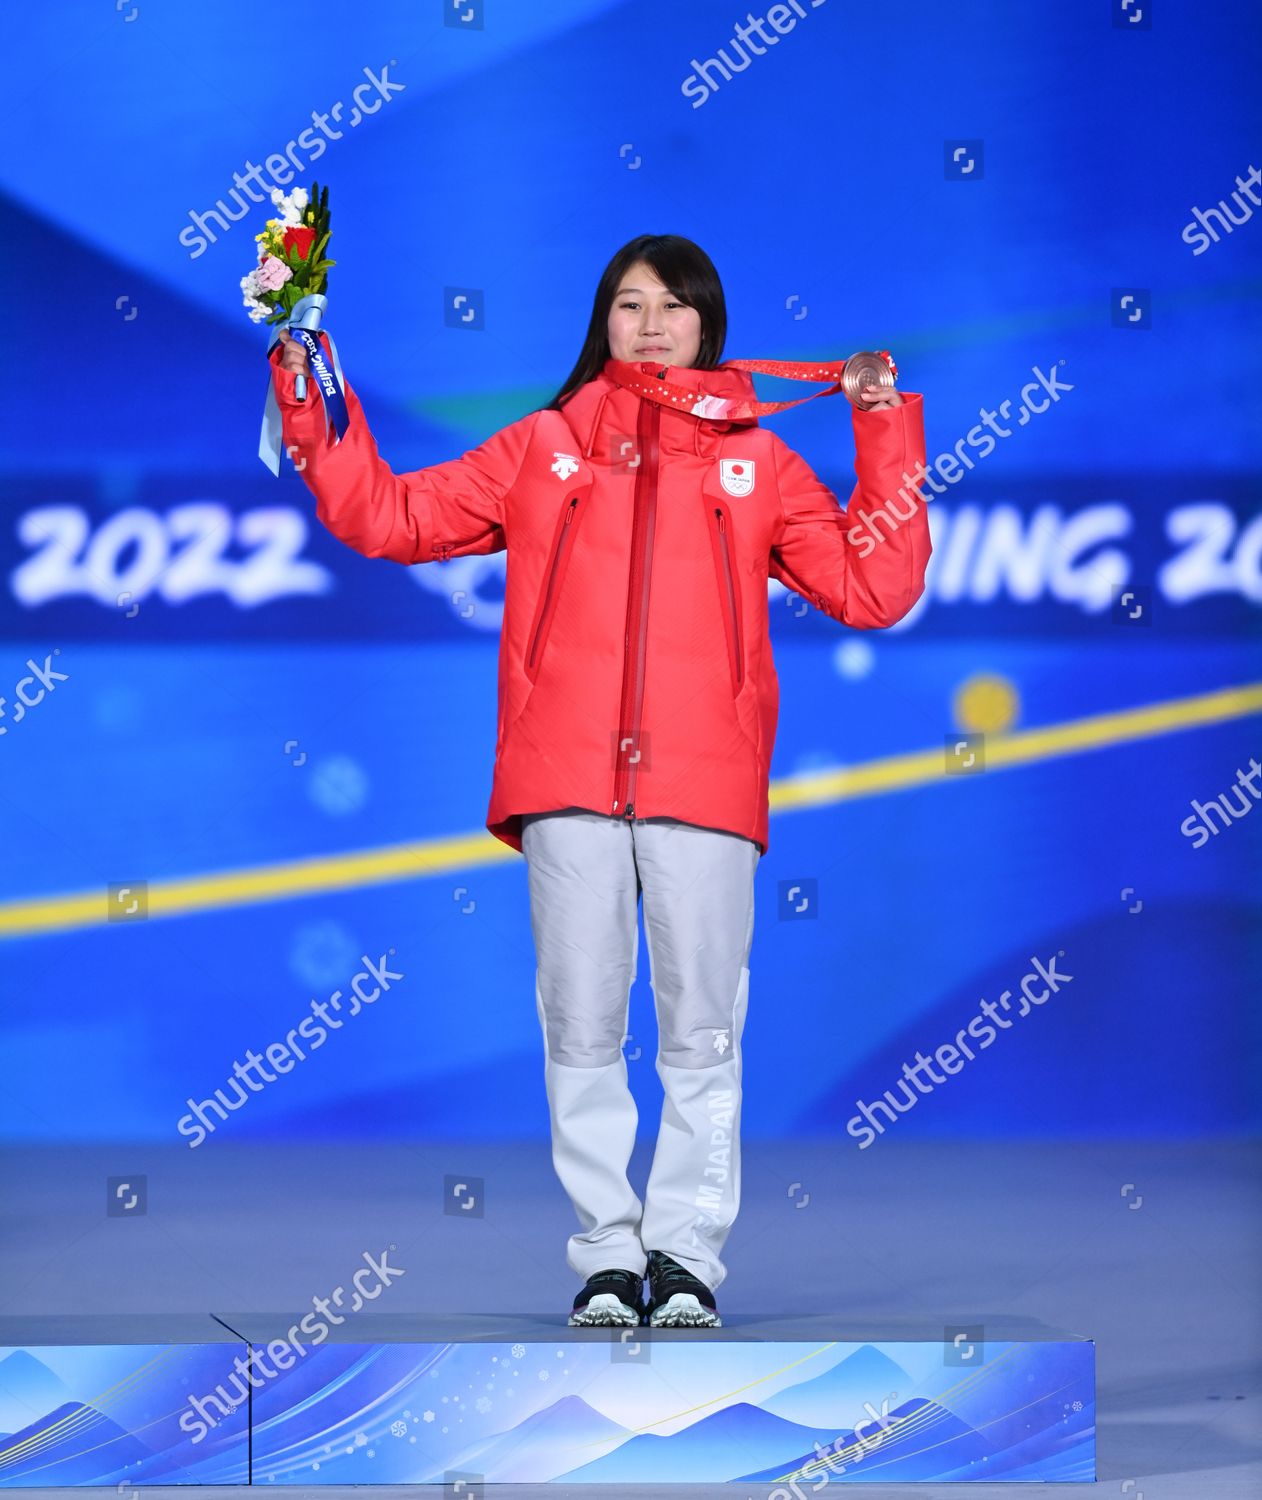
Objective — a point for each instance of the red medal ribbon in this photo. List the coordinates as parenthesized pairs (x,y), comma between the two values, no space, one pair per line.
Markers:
(638,376)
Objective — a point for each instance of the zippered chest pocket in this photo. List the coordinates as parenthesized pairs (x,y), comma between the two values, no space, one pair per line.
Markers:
(727,578)
(553,579)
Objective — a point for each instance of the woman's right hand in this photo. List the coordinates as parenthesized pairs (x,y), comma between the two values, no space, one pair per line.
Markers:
(295,356)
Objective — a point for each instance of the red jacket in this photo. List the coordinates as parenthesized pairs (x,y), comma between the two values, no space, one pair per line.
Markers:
(635,667)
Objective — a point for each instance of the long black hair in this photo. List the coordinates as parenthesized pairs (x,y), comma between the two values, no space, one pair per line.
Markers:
(686,271)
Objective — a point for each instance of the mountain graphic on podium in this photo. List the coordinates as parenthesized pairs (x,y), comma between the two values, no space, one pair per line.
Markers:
(918,1440)
(528,1452)
(27,1386)
(73,1444)
(742,1436)
(837,1398)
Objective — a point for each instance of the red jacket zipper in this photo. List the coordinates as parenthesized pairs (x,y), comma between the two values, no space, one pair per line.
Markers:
(731,594)
(642,527)
(545,616)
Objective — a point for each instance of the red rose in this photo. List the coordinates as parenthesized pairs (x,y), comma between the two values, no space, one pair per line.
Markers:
(299,238)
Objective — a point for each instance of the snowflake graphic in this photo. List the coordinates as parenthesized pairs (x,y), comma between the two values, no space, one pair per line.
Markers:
(543,1374)
(398,1429)
(428,1416)
(519,1351)
(483,1403)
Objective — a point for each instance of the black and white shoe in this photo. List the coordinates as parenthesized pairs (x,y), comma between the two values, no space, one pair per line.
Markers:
(610,1299)
(677,1299)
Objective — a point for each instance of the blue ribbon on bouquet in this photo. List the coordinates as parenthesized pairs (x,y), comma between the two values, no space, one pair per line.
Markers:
(304,325)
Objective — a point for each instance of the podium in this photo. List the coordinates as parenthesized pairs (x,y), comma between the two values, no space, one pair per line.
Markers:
(784,1404)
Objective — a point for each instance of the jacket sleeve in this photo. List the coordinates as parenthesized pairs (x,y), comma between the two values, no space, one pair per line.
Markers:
(862,568)
(451,509)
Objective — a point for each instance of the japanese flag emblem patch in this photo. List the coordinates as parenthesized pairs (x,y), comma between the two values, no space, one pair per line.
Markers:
(736,475)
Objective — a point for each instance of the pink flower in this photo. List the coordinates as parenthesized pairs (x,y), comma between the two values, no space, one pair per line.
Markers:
(272,275)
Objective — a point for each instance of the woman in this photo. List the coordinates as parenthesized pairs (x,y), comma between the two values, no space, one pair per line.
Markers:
(644,510)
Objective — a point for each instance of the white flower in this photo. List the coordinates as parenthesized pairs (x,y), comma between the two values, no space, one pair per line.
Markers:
(290,205)
(250,290)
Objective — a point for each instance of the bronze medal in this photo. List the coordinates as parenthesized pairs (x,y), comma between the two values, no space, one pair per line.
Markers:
(866,368)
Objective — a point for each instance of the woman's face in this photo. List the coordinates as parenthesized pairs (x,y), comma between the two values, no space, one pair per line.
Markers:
(648,322)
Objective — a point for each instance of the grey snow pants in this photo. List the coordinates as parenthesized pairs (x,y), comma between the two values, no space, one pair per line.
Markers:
(586,873)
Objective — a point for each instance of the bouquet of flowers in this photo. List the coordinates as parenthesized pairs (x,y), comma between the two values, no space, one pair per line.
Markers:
(286,289)
(290,249)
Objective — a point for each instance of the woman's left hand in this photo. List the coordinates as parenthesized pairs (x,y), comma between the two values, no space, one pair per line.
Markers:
(882,395)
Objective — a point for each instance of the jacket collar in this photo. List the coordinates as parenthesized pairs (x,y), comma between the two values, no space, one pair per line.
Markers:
(602,411)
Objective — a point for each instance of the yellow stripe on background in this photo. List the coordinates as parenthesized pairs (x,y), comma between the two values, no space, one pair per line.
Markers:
(895,773)
(278,882)
(427,857)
